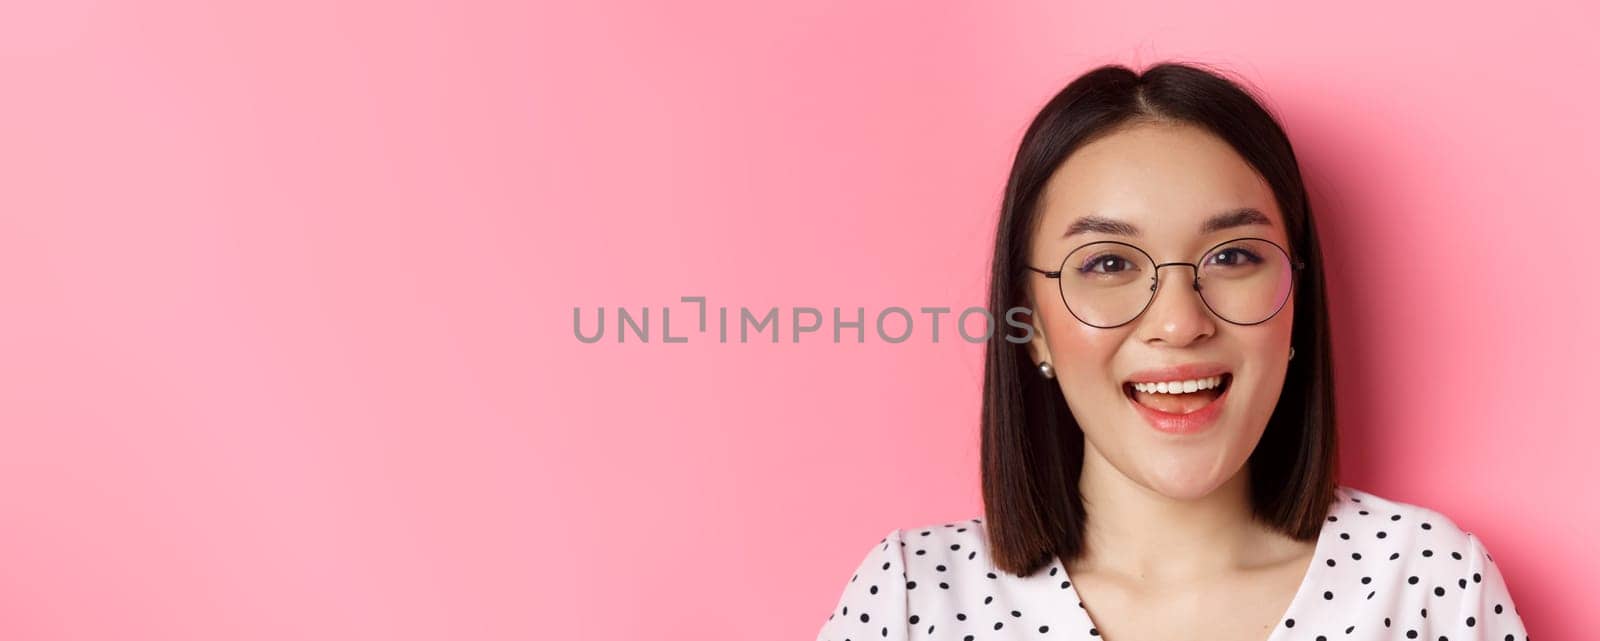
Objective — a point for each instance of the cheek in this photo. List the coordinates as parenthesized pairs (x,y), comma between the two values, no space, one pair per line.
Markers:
(1083,356)
(1078,344)
(1268,352)
(1280,331)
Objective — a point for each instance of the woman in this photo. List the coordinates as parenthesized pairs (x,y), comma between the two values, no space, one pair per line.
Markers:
(1159,446)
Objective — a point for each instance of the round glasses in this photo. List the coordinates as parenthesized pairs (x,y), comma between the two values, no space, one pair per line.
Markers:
(1108,283)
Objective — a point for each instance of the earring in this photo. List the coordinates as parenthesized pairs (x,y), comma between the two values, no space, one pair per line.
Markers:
(1046,370)
(1291,353)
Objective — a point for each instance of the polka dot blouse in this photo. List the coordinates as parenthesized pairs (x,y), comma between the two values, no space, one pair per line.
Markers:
(1382,570)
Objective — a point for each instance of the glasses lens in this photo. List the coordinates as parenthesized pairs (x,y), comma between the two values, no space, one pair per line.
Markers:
(1246,281)
(1106,284)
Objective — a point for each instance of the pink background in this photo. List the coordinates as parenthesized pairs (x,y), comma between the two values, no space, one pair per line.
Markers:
(289,287)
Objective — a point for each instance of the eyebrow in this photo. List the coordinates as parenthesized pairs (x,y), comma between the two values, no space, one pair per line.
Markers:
(1240,217)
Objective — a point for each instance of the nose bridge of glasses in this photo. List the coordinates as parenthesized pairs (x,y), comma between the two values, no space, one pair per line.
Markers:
(1190,306)
(1155,276)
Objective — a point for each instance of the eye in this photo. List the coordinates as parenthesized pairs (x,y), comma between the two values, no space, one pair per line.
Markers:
(1114,265)
(1234,256)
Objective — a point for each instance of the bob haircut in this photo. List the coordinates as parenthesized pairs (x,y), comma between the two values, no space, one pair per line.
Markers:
(1032,447)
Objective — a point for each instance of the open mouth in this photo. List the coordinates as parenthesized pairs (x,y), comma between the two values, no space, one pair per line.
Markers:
(1173,399)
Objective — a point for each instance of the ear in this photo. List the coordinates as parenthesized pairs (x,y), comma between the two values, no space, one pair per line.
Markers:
(1039,345)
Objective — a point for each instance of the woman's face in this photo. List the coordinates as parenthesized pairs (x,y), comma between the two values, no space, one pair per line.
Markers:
(1165,181)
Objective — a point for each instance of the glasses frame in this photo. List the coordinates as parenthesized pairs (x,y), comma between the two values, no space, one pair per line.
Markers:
(1295,267)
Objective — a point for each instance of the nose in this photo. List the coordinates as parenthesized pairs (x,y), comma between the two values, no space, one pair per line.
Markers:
(1177,316)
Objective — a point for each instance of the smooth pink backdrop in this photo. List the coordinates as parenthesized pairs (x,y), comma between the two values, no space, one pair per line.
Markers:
(288,293)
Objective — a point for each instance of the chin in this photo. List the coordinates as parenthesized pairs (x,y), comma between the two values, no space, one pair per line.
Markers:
(1186,487)
(1190,472)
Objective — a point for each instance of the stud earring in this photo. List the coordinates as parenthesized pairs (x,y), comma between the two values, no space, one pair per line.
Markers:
(1291,353)
(1046,370)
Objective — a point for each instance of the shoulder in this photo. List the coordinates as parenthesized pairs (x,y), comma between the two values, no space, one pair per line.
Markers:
(942,555)
(900,577)
(964,539)
(1398,526)
(1437,575)
(950,547)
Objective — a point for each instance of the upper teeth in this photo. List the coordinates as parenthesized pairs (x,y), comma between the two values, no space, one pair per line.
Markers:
(1179,387)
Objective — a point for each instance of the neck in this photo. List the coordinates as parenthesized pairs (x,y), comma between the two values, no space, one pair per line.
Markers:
(1136,532)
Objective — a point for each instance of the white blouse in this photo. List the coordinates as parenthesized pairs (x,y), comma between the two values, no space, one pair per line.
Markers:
(1382,570)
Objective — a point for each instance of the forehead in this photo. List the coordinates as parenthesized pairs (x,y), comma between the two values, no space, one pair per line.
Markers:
(1164,179)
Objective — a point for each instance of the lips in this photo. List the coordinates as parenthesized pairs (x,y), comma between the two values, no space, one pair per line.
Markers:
(1178,372)
(1132,394)
(1181,424)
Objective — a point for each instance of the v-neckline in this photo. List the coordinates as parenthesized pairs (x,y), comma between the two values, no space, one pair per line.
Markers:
(1324,533)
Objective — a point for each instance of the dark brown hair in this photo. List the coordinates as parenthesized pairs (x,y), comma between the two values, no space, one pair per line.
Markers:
(1032,447)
